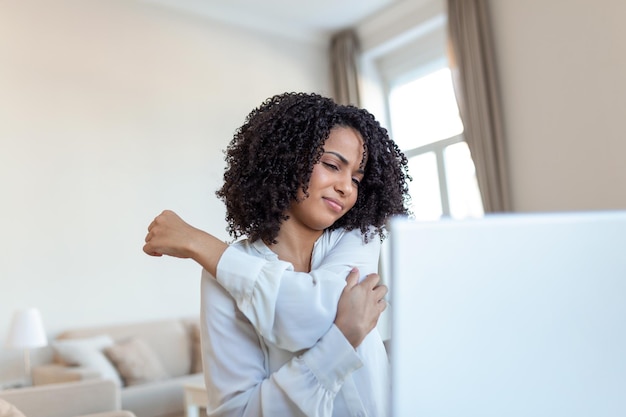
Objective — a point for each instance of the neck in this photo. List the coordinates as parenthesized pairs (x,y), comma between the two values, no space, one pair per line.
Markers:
(295,245)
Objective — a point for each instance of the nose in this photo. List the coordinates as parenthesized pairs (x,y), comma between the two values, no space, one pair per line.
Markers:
(343,185)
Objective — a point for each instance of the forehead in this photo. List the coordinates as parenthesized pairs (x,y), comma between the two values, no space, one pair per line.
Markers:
(347,141)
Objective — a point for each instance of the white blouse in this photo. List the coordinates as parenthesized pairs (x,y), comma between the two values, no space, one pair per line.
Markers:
(270,347)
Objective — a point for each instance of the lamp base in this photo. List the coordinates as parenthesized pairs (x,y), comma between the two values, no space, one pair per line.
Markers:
(27,369)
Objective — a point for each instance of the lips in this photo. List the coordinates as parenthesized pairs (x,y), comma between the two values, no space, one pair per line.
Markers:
(334,204)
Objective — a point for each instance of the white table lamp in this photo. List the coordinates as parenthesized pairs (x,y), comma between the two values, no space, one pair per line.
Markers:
(27,332)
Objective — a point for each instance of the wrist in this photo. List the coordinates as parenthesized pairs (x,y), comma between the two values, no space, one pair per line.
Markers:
(206,250)
(352,335)
(197,243)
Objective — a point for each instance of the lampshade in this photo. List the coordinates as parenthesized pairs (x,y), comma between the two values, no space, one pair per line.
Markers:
(26,330)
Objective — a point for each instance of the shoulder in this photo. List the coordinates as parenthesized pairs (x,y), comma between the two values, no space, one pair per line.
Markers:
(345,240)
(353,237)
(256,248)
(330,238)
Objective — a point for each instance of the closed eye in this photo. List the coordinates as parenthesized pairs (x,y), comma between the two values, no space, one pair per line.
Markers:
(331,166)
(356,182)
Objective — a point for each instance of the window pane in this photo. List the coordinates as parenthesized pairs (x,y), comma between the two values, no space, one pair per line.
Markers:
(424,110)
(424,189)
(463,192)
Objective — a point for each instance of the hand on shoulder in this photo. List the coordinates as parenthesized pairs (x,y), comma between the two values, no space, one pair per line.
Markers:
(360,306)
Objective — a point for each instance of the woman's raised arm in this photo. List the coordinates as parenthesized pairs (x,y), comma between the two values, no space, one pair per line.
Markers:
(292,310)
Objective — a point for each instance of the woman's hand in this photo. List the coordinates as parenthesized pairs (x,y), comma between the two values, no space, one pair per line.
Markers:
(169,235)
(360,306)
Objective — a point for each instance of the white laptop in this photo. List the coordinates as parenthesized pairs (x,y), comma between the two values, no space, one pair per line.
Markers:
(511,315)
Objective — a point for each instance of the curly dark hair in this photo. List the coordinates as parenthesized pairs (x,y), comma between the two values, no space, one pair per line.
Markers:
(272,155)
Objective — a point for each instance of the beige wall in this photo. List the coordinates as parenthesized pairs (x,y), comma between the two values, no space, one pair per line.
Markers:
(115,110)
(110,111)
(562,66)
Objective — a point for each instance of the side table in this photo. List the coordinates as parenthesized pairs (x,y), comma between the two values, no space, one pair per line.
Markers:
(195,398)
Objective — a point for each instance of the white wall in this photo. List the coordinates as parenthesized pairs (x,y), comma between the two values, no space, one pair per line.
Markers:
(111,111)
(561,65)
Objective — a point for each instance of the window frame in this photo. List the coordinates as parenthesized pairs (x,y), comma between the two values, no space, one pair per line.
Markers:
(439,148)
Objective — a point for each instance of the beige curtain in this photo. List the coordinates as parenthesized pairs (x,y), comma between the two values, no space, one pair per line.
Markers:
(476,86)
(344,56)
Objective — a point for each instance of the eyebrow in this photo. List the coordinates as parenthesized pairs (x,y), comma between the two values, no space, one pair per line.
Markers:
(344,160)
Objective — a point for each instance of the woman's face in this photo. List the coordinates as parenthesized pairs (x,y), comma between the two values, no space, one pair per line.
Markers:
(334,184)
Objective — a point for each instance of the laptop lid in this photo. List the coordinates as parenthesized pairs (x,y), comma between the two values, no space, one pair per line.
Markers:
(510,315)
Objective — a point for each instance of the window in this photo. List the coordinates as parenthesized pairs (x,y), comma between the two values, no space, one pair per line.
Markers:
(408,85)
(425,123)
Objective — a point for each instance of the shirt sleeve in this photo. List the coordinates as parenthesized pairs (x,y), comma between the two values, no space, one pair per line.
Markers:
(235,366)
(294,309)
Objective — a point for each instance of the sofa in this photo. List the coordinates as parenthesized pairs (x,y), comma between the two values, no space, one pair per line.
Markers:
(149,362)
(94,398)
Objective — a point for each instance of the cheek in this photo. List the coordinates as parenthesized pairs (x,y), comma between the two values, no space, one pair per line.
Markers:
(318,178)
(352,201)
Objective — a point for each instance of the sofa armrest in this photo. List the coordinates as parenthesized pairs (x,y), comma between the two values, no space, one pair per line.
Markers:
(65,400)
(55,373)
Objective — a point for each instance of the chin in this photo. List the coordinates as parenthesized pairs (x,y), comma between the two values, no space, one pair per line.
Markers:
(321,226)
(329,225)
(321,221)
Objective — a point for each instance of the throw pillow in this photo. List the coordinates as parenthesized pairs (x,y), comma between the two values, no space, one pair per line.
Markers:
(136,362)
(89,353)
(9,410)
(196,348)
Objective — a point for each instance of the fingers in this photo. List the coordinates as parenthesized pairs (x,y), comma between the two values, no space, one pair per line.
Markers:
(360,306)
(378,291)
(148,247)
(169,235)
(353,278)
(151,252)
(371,281)
(370,284)
(163,217)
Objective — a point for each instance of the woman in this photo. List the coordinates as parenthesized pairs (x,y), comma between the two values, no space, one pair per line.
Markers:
(311,184)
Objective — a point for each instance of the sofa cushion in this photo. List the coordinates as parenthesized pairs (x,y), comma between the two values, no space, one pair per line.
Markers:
(9,410)
(88,352)
(136,362)
(169,339)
